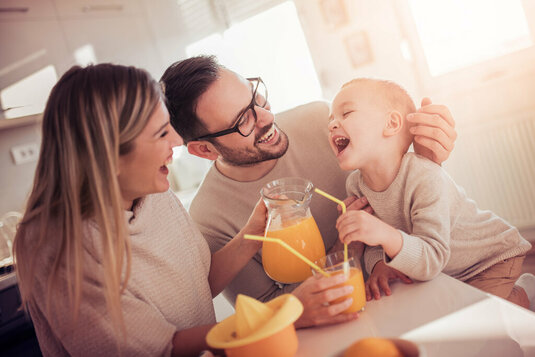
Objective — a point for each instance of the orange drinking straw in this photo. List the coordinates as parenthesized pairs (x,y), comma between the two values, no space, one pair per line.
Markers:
(287,246)
(341,203)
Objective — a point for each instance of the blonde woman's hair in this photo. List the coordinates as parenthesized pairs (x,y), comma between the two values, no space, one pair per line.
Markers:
(92,117)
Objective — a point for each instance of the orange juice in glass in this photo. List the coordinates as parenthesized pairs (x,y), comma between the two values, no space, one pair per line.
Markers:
(333,264)
(290,220)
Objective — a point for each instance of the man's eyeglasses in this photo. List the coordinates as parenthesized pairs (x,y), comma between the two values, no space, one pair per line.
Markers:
(247,118)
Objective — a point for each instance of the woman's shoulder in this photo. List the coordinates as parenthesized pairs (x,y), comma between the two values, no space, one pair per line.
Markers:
(154,209)
(40,236)
(161,201)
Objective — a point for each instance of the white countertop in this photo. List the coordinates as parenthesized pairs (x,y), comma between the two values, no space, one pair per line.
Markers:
(8,280)
(444,316)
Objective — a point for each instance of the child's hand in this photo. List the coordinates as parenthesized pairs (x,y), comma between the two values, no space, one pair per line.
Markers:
(380,279)
(363,227)
(355,203)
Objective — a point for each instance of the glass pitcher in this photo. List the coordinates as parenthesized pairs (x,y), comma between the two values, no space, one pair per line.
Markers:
(8,228)
(288,201)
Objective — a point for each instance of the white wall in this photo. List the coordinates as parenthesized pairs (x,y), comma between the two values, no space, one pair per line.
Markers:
(482,98)
(153,34)
(16,180)
(327,44)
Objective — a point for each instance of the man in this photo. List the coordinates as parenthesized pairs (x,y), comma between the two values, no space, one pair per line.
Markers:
(226,118)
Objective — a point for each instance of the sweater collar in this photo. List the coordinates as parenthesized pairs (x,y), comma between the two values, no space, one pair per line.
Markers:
(135,219)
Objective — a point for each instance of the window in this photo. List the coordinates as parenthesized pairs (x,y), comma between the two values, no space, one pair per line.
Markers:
(29,95)
(270,45)
(458,33)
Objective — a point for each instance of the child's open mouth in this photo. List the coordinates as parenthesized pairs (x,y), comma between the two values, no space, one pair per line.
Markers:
(341,143)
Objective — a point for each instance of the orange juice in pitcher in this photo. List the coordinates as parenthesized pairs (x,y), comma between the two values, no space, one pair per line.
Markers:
(290,220)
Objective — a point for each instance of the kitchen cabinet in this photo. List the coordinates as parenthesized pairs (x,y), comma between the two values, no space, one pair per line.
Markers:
(26,9)
(123,40)
(41,39)
(97,8)
(33,50)
(108,31)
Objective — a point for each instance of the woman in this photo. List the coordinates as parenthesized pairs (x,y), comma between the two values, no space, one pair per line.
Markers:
(108,260)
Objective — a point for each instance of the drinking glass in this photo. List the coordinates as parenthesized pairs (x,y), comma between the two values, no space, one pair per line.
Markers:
(334,264)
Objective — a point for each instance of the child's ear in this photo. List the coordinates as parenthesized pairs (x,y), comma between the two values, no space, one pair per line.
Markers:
(203,149)
(394,123)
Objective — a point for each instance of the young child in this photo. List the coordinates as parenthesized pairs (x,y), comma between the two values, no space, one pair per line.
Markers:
(423,223)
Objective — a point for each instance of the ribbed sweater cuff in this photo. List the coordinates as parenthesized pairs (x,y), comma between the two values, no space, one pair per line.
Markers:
(410,252)
(373,256)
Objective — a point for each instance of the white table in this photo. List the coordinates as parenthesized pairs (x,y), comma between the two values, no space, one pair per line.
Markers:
(444,316)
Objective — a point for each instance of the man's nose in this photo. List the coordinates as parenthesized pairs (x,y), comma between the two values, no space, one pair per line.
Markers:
(264,116)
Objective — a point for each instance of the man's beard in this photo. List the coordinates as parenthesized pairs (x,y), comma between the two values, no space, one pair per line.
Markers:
(252,156)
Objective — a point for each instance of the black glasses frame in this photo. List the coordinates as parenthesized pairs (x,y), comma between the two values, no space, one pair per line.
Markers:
(235,127)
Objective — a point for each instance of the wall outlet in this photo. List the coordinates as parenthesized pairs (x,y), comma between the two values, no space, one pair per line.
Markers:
(23,154)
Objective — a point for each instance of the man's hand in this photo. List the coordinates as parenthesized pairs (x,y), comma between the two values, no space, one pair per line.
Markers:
(434,131)
(256,224)
(317,294)
(380,279)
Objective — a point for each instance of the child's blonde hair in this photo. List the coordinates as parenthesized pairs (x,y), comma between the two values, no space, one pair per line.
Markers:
(395,97)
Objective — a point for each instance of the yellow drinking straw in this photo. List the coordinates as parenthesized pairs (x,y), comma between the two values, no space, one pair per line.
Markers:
(285,245)
(341,203)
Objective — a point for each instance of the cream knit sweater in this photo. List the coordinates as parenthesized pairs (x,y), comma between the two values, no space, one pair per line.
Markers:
(168,288)
(442,229)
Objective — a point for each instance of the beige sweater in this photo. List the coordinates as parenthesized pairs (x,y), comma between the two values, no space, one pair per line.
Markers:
(222,206)
(442,229)
(168,289)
